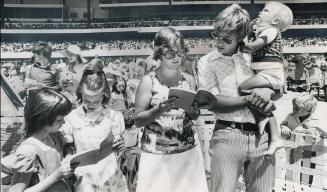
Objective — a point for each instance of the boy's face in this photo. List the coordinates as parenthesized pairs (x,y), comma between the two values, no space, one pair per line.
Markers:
(226,43)
(267,16)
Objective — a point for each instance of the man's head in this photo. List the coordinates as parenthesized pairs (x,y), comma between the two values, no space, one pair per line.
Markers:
(230,28)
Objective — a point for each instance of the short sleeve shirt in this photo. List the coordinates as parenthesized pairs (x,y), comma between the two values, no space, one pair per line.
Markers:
(221,76)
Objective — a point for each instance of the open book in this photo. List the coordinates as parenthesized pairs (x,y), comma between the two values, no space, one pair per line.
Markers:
(185,98)
(94,156)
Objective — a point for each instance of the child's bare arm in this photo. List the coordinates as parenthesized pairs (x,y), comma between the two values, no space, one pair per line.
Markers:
(225,104)
(252,46)
(255,81)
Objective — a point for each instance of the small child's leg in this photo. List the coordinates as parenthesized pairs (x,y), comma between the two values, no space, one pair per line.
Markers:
(256,81)
(275,139)
(260,119)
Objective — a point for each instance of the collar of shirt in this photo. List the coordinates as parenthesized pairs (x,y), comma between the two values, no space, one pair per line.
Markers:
(47,67)
(239,55)
(95,118)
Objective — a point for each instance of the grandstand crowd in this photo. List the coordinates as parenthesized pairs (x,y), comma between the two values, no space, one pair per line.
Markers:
(140,22)
(142,44)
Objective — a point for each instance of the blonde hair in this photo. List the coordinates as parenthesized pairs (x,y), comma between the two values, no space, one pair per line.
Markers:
(305,101)
(233,19)
(284,15)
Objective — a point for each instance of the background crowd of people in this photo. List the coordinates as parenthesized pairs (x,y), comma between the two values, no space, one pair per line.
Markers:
(140,44)
(141,22)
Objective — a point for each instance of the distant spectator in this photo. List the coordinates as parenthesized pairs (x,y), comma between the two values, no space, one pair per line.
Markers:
(42,73)
(22,70)
(5,72)
(73,53)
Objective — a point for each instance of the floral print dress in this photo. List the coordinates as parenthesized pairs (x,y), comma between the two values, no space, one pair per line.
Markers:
(171,159)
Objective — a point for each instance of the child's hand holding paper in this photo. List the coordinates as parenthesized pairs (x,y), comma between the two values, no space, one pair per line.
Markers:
(94,156)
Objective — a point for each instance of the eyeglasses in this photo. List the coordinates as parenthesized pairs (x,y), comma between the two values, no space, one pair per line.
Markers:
(224,39)
(171,54)
(88,71)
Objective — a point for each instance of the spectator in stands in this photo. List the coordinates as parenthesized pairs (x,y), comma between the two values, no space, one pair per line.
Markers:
(300,70)
(22,70)
(12,71)
(4,72)
(169,144)
(42,73)
(71,75)
(73,53)
(118,101)
(62,65)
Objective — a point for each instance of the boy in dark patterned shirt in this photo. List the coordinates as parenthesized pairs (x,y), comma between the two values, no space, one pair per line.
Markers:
(266,48)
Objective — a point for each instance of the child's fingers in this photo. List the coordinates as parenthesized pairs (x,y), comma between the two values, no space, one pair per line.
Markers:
(269,107)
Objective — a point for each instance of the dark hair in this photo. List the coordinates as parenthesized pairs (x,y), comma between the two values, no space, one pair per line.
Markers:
(94,78)
(42,48)
(115,90)
(163,39)
(42,109)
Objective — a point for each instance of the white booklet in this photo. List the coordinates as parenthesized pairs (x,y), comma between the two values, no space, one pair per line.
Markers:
(185,98)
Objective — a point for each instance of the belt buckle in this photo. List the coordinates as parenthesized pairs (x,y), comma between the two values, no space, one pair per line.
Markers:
(242,127)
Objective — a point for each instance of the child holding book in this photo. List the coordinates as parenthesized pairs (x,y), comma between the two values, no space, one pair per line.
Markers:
(89,125)
(234,145)
(266,47)
(38,163)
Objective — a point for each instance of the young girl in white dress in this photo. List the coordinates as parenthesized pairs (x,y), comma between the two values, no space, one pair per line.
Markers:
(88,125)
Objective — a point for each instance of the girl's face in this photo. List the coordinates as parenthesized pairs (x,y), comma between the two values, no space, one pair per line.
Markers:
(226,43)
(120,86)
(92,102)
(172,58)
(57,124)
(72,57)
